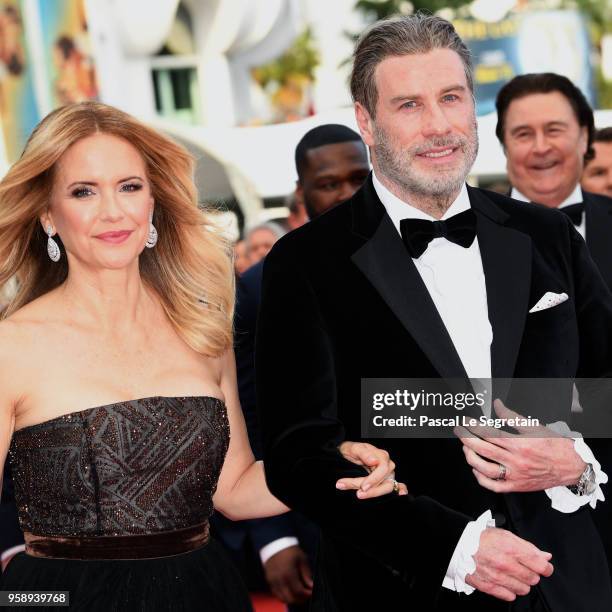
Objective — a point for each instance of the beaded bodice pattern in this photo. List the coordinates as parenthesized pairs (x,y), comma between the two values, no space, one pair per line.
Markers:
(135,467)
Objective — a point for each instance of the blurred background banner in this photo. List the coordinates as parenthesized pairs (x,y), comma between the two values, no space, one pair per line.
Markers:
(68,63)
(239,82)
(543,41)
(18,105)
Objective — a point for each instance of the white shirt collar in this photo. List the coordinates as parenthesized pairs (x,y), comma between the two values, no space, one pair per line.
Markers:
(573,198)
(398,209)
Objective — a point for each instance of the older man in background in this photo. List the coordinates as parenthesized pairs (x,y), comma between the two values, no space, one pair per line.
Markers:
(546,128)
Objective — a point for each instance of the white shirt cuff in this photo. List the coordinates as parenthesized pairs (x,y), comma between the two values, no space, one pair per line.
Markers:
(272,548)
(562,498)
(462,562)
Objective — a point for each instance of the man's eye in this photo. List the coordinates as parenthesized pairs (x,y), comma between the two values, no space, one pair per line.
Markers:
(329,186)
(409,104)
(450,98)
(81,192)
(131,187)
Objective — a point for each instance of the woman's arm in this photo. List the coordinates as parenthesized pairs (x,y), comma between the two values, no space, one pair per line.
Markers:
(7,405)
(7,396)
(242,492)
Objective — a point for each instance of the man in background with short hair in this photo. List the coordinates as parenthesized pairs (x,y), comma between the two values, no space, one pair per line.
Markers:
(260,239)
(546,127)
(597,175)
(331,162)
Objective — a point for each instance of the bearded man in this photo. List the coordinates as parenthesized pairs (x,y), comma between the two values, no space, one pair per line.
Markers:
(420,276)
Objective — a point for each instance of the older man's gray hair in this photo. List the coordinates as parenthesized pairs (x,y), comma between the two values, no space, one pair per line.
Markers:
(398,36)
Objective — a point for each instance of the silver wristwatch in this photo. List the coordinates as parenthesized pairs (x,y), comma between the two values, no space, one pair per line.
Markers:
(586,485)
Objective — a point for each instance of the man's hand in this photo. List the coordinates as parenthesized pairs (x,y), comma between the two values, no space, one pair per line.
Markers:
(535,459)
(506,565)
(288,575)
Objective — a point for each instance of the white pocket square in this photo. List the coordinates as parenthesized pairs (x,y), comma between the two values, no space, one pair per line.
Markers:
(548,300)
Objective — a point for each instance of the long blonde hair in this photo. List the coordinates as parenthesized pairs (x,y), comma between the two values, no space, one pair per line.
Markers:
(190,268)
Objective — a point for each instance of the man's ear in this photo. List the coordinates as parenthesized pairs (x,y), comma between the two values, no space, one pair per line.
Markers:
(584,140)
(299,193)
(364,123)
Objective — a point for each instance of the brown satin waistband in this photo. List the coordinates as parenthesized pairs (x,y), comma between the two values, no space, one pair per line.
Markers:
(149,546)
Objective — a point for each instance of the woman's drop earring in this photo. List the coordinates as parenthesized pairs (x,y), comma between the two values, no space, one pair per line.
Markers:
(52,248)
(152,239)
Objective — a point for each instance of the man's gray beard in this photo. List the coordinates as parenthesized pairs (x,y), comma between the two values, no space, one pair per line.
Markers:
(396,164)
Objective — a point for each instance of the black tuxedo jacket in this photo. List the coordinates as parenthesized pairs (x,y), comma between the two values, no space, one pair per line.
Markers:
(598,218)
(343,300)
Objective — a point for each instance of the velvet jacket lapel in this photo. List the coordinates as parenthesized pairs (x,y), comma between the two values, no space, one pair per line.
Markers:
(598,216)
(384,261)
(506,260)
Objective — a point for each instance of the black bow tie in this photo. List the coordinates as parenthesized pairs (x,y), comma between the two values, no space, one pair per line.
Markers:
(574,212)
(418,233)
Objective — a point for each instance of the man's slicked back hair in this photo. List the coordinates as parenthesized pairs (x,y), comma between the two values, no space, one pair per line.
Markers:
(396,37)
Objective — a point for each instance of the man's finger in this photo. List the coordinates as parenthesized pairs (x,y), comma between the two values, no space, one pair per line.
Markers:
(497,486)
(489,588)
(537,562)
(486,449)
(490,469)
(504,412)
(305,573)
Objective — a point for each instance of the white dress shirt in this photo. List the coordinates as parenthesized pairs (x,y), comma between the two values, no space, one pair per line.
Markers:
(574,198)
(454,278)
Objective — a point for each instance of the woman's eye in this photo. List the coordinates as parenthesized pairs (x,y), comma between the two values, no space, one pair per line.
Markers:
(130,187)
(81,192)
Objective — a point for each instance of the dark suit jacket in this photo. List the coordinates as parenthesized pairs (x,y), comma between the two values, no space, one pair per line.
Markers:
(598,234)
(342,297)
(598,216)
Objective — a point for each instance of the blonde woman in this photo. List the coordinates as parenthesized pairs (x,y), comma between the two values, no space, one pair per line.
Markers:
(125,291)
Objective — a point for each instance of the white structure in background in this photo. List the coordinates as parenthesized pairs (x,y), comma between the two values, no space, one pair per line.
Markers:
(330,21)
(184,66)
(217,40)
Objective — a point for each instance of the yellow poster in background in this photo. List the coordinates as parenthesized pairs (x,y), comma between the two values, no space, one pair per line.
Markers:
(18,108)
(69,62)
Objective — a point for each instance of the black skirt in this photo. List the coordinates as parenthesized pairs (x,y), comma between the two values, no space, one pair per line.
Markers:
(204,579)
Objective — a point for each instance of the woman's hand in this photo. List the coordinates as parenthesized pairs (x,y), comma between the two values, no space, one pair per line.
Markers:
(380,481)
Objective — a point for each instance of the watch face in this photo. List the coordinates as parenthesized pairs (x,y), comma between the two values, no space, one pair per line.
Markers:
(590,482)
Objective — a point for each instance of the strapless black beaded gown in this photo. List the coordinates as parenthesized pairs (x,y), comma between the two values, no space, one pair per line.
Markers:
(114,502)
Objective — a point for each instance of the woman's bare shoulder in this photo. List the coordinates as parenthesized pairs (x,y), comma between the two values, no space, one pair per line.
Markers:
(23,327)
